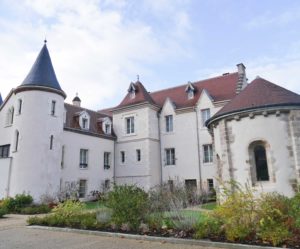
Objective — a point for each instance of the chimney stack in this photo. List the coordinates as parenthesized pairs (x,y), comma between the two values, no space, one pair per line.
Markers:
(242,79)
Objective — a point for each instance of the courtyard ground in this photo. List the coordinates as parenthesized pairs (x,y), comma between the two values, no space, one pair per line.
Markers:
(15,234)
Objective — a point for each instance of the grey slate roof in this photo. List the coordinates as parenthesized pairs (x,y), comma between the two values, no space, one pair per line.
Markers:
(42,72)
(1,101)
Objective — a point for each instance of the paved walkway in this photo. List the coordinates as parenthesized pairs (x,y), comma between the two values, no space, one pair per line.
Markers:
(14,234)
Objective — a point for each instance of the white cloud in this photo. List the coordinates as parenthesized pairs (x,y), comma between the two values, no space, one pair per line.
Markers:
(95,48)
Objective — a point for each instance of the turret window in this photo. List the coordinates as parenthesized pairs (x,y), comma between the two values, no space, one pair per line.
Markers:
(10,116)
(17,135)
(53,106)
(51,142)
(20,106)
(262,173)
(122,156)
(138,155)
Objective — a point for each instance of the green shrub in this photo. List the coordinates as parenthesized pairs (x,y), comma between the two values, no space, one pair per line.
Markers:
(3,211)
(155,221)
(36,209)
(210,227)
(129,204)
(14,205)
(274,219)
(238,213)
(68,209)
(295,210)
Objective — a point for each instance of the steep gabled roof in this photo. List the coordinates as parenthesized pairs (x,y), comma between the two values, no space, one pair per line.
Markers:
(260,93)
(219,88)
(141,96)
(42,72)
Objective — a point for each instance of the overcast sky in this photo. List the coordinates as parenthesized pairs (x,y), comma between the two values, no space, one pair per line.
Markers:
(99,46)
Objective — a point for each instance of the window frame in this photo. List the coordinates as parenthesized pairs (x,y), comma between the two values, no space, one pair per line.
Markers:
(4,151)
(170,158)
(205,115)
(129,125)
(82,194)
(138,155)
(20,103)
(209,156)
(122,157)
(83,158)
(106,160)
(169,123)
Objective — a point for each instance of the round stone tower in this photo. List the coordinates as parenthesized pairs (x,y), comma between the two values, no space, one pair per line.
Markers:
(38,127)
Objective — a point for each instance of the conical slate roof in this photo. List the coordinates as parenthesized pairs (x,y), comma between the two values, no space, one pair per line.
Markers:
(1,101)
(42,72)
(260,93)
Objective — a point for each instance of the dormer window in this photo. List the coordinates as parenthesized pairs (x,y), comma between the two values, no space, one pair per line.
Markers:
(132,90)
(84,123)
(190,90)
(84,120)
(106,125)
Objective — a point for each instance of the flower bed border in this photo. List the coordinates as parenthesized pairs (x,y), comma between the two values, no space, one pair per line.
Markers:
(205,243)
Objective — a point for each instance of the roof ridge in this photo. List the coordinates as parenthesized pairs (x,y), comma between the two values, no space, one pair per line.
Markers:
(82,108)
(194,82)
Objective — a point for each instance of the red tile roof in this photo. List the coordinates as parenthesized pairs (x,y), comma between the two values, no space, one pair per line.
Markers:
(258,94)
(72,120)
(141,96)
(220,88)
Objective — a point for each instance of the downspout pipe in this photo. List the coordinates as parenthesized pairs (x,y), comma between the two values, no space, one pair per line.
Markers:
(198,147)
(160,152)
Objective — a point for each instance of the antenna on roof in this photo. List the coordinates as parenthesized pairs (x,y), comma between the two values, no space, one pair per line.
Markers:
(45,40)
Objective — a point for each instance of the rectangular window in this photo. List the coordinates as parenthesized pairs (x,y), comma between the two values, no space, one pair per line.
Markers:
(106,160)
(169,123)
(205,114)
(53,104)
(208,153)
(84,123)
(51,142)
(107,129)
(191,184)
(83,159)
(122,156)
(107,184)
(62,156)
(82,188)
(19,106)
(138,155)
(4,151)
(170,156)
(130,125)
(210,184)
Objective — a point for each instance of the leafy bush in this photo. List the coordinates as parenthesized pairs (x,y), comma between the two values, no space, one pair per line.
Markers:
(129,204)
(273,211)
(155,221)
(3,211)
(238,213)
(14,205)
(103,215)
(68,209)
(36,209)
(210,227)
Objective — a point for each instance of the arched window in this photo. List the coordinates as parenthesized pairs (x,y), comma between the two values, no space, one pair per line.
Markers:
(259,161)
(16,140)
(261,164)
(10,116)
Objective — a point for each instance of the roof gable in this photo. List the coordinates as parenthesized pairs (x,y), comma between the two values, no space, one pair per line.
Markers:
(141,95)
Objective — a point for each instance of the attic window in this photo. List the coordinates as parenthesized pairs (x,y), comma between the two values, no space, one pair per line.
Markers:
(190,90)
(131,90)
(84,120)
(106,126)
(190,94)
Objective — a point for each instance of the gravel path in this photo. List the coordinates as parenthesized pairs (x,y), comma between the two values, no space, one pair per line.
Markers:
(14,234)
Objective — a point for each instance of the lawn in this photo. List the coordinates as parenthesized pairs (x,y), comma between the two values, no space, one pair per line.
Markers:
(209,206)
(94,205)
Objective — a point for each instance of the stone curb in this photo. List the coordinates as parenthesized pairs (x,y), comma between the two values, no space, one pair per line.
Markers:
(205,243)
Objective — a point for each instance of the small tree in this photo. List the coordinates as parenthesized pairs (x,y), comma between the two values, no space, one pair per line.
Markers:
(129,204)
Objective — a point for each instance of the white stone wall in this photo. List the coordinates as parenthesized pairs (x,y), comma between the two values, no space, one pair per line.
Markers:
(95,174)
(145,173)
(35,167)
(5,164)
(232,145)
